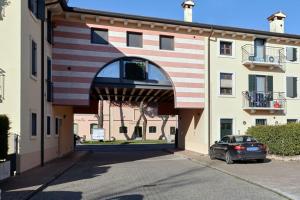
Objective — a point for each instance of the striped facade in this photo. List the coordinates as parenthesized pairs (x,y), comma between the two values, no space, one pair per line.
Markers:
(76,60)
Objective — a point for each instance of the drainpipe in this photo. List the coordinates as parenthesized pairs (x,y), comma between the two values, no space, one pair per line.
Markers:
(209,88)
(42,92)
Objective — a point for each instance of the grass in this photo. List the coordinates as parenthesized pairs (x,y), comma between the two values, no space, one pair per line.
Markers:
(126,142)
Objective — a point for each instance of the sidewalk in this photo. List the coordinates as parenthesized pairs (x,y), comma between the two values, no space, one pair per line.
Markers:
(279,176)
(22,187)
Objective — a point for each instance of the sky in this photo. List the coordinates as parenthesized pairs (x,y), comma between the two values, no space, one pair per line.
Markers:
(251,14)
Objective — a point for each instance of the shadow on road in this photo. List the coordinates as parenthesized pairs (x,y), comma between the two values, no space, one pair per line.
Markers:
(128,197)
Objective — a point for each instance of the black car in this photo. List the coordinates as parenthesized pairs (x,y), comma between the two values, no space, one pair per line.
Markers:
(238,147)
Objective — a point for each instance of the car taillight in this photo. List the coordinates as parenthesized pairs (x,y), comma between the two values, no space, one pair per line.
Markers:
(239,148)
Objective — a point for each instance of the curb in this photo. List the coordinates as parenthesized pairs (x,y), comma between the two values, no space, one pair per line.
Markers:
(56,176)
(286,196)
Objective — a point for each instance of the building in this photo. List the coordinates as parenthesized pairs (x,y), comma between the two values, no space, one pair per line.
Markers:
(218,80)
(125,123)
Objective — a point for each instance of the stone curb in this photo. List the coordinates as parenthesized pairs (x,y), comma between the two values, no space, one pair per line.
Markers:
(284,158)
(280,193)
(56,176)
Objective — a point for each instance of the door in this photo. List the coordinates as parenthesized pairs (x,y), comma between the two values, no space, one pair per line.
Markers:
(259,50)
(226,127)
(260,90)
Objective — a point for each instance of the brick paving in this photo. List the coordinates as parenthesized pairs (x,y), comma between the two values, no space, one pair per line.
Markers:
(24,186)
(143,172)
(280,176)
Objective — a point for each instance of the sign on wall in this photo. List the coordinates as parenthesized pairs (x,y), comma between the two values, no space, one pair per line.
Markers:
(98,134)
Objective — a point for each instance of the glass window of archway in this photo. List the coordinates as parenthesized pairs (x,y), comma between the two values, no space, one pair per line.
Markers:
(133,69)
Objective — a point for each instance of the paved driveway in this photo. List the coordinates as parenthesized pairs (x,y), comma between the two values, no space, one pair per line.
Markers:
(137,172)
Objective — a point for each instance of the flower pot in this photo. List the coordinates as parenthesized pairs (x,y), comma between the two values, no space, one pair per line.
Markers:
(4,170)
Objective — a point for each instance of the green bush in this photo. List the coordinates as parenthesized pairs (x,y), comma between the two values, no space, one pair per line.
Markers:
(281,140)
(4,128)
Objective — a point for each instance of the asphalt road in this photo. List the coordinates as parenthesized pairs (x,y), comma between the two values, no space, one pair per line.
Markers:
(137,172)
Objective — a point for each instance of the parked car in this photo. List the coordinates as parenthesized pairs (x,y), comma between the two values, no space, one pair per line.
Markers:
(237,147)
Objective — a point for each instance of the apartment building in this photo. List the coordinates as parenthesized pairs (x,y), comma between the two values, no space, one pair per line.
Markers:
(126,123)
(218,80)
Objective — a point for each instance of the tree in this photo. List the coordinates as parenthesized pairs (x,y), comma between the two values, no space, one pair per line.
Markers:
(3,4)
(165,119)
(100,115)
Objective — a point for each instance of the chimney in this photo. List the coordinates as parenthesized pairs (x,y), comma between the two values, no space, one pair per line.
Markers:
(277,22)
(188,10)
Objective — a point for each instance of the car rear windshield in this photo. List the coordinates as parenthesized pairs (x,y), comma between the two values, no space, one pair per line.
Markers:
(242,139)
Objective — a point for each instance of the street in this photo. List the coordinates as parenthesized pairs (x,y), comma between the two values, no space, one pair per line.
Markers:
(146,172)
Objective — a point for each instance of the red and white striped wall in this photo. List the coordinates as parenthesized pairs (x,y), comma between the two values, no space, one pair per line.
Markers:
(76,61)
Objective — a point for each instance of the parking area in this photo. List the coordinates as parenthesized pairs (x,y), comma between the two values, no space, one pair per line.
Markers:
(280,176)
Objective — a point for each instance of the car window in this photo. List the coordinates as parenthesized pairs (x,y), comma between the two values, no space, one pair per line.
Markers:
(225,140)
(241,139)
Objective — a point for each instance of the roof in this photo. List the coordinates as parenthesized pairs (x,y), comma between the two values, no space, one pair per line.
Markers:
(174,22)
(279,14)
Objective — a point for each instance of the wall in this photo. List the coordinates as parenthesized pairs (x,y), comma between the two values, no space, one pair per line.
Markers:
(232,107)
(10,62)
(76,60)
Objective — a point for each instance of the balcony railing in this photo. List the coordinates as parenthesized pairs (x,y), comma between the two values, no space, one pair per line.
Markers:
(268,101)
(273,57)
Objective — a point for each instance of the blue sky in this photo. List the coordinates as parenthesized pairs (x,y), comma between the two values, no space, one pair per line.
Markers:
(238,13)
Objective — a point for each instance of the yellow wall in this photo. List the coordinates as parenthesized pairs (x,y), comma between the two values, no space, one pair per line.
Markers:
(10,60)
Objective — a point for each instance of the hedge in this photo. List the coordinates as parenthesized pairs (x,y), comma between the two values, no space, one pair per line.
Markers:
(4,128)
(281,140)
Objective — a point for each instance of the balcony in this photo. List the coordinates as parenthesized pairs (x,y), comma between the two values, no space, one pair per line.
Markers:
(272,57)
(269,101)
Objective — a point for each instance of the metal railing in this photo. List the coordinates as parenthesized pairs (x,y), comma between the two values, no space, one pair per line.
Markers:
(264,100)
(271,56)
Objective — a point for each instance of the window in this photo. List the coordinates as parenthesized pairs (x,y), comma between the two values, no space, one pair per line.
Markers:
(75,128)
(261,122)
(134,39)
(225,140)
(291,87)
(93,126)
(226,127)
(58,124)
(152,129)
(33,58)
(49,27)
(166,42)
(172,130)
(138,131)
(289,121)
(33,6)
(37,7)
(48,125)
(49,81)
(226,86)
(292,54)
(226,48)
(123,129)
(99,36)
(135,70)
(33,124)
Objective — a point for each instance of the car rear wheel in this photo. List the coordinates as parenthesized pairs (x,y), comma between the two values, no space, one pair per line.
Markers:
(211,155)
(228,158)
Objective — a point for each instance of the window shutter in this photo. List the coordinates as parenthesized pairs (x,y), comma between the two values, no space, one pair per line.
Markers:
(252,83)
(30,4)
(41,10)
(291,54)
(291,87)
